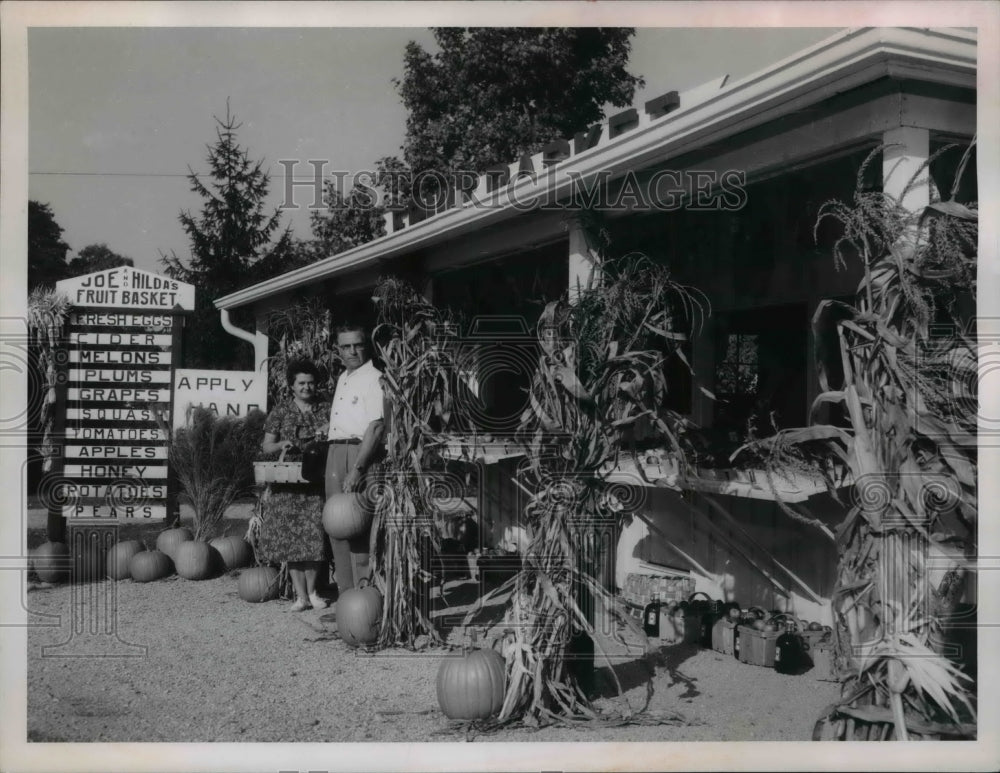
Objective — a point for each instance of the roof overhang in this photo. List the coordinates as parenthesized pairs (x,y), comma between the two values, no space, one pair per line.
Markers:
(706,115)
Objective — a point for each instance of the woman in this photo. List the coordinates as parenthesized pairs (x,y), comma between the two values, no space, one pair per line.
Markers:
(292,530)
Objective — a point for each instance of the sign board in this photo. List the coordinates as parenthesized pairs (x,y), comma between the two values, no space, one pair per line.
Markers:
(227,392)
(127,288)
(117,471)
(122,334)
(136,512)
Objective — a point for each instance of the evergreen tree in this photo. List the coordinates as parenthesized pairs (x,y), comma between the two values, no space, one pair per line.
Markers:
(229,237)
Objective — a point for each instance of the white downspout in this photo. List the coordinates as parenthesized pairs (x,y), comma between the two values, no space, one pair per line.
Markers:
(258,339)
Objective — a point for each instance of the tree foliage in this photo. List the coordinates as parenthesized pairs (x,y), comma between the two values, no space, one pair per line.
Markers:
(358,216)
(46,249)
(96,257)
(231,235)
(491,94)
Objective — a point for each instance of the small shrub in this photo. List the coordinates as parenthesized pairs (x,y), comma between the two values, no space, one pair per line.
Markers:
(213,458)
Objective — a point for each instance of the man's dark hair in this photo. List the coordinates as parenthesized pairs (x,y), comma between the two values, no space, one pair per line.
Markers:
(295,367)
(349,327)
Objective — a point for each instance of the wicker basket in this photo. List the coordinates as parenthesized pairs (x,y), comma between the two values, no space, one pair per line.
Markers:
(278,471)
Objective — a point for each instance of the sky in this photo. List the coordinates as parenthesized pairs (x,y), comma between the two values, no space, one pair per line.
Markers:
(117,115)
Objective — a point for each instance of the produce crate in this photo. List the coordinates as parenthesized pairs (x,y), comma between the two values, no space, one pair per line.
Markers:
(642,589)
(757,647)
(823,662)
(813,638)
(722,636)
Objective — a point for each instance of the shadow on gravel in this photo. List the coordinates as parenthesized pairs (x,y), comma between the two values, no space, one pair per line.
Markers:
(670,658)
(631,674)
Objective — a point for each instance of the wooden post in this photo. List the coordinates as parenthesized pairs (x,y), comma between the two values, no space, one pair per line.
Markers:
(176,358)
(55,526)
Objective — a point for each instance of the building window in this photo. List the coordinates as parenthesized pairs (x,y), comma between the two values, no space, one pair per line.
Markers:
(737,373)
(760,372)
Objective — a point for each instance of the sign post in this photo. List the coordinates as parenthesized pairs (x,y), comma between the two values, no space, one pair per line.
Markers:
(122,353)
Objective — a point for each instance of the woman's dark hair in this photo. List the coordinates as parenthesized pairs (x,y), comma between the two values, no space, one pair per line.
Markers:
(295,367)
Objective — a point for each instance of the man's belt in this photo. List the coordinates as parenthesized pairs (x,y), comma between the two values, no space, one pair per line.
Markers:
(350,441)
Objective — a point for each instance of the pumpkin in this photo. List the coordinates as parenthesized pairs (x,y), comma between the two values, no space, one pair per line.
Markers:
(258,584)
(815,627)
(235,552)
(345,516)
(168,540)
(193,560)
(149,565)
(51,562)
(119,557)
(473,686)
(359,613)
(90,551)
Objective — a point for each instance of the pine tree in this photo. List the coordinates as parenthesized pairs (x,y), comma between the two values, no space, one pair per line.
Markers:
(231,234)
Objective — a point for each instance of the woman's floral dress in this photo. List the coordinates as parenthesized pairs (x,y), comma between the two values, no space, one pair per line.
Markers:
(292,528)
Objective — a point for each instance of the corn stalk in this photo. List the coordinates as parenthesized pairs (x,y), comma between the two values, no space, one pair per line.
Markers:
(600,369)
(301,332)
(899,360)
(417,376)
(47,312)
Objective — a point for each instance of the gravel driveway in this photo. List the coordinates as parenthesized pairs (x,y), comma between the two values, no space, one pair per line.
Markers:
(192,662)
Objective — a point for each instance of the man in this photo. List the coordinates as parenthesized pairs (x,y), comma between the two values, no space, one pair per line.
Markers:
(355,443)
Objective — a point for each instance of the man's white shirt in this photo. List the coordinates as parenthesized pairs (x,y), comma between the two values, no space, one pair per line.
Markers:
(357,402)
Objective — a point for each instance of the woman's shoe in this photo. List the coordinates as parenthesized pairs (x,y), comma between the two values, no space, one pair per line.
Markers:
(317,602)
(299,605)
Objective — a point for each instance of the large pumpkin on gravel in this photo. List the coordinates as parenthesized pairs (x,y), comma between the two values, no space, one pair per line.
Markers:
(150,565)
(345,516)
(235,552)
(258,584)
(472,687)
(193,560)
(51,562)
(120,556)
(359,613)
(168,540)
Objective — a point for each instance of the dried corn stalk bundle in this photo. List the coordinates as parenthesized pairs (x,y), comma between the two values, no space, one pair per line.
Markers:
(901,361)
(417,376)
(600,369)
(301,331)
(47,311)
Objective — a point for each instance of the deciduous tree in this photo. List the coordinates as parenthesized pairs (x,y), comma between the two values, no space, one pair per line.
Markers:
(96,257)
(488,95)
(493,93)
(46,249)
